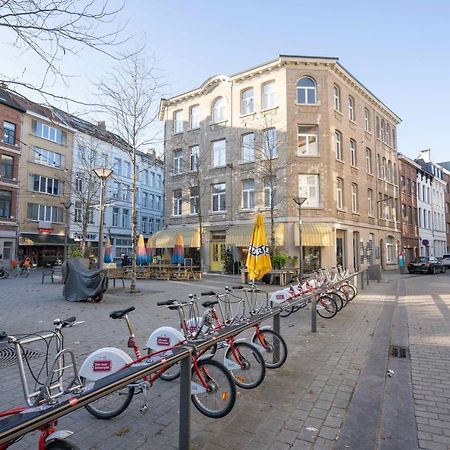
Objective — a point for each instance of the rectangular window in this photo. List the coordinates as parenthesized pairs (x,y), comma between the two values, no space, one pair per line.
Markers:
(219,149)
(6,166)
(270,185)
(177,202)
(340,193)
(219,197)
(115,217)
(309,188)
(144,222)
(247,101)
(354,198)
(248,194)
(366,120)
(125,192)
(47,158)
(145,199)
(194,198)
(78,214)
(351,108)
(195,117)
(159,179)
(126,169)
(123,246)
(44,213)
(270,143)
(9,133)
(125,218)
(178,122)
(337,98)
(116,190)
(117,167)
(5,203)
(370,202)
(47,185)
(268,95)
(369,161)
(158,202)
(248,147)
(50,133)
(307,140)
(178,161)
(338,144)
(353,155)
(194,154)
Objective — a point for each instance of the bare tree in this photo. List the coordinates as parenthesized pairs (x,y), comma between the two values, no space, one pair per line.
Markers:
(129,96)
(52,29)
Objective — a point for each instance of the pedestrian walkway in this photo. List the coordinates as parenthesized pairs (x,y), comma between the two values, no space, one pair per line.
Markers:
(331,393)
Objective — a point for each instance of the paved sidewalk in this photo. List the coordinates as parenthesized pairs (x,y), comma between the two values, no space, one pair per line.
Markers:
(306,404)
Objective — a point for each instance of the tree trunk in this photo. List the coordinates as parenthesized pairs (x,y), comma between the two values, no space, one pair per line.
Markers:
(133,225)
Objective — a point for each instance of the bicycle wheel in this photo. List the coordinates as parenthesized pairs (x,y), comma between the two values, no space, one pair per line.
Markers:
(337,298)
(252,366)
(326,307)
(172,373)
(111,405)
(61,445)
(274,347)
(287,311)
(351,291)
(220,396)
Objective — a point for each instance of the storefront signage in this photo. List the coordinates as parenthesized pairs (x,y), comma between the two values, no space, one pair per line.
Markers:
(45,227)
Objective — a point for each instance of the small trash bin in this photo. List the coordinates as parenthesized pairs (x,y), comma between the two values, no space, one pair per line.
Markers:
(375,272)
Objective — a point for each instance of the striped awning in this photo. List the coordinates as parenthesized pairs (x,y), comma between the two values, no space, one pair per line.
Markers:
(315,234)
(166,238)
(241,235)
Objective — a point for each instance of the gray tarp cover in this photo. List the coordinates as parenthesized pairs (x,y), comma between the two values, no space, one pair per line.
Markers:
(80,283)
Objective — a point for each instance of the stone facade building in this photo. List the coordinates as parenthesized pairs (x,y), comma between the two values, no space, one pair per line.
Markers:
(11,116)
(408,207)
(296,126)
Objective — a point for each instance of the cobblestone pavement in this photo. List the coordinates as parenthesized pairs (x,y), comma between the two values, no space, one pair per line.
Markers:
(303,405)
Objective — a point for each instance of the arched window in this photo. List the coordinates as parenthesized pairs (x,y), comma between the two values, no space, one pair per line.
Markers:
(379,166)
(382,131)
(338,145)
(378,128)
(383,169)
(388,134)
(395,175)
(218,110)
(390,250)
(306,91)
(337,98)
(389,172)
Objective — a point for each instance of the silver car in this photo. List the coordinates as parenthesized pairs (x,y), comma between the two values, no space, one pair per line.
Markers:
(446,260)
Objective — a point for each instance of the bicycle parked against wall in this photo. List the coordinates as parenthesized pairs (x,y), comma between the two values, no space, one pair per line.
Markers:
(56,386)
(213,391)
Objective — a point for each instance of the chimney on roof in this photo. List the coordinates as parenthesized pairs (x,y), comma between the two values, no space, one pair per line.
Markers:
(426,155)
(101,125)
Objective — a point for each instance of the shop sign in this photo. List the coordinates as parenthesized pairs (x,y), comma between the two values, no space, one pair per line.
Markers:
(45,227)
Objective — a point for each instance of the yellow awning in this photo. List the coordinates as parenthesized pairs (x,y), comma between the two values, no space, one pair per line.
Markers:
(315,235)
(166,238)
(241,235)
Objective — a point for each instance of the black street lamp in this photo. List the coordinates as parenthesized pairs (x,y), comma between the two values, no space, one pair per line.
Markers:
(300,201)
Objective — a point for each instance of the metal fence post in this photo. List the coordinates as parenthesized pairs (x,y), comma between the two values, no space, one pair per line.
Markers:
(367,277)
(184,438)
(362,280)
(314,314)
(276,323)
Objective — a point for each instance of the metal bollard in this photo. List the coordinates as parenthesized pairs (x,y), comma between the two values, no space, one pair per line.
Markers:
(314,314)
(362,280)
(184,438)
(367,277)
(276,323)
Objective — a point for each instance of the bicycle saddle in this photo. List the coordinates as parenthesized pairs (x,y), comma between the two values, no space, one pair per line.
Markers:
(209,303)
(121,313)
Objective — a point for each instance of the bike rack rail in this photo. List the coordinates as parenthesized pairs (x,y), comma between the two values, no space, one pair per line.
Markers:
(31,419)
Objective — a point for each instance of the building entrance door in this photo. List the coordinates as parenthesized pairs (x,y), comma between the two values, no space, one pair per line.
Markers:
(217,256)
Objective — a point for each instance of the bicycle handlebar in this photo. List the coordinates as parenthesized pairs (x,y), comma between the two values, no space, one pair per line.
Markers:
(208,293)
(3,335)
(166,302)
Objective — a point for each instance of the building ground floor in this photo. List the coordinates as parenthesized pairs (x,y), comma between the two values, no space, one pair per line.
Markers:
(410,247)
(8,244)
(324,244)
(432,243)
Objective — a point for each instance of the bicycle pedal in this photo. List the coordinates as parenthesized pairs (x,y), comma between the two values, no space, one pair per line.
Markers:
(143,409)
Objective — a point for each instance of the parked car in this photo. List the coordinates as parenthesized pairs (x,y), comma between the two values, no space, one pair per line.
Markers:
(426,264)
(446,260)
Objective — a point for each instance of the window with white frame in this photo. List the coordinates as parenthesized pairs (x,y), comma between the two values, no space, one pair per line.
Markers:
(309,188)
(126,169)
(47,132)
(116,190)
(177,202)
(351,108)
(355,207)
(306,91)
(268,95)
(126,218)
(115,217)
(248,147)
(337,98)
(369,161)
(247,101)
(383,169)
(270,185)
(390,250)
(157,202)
(194,154)
(382,130)
(144,222)
(47,185)
(6,166)
(219,153)
(178,121)
(125,191)
(366,120)
(370,202)
(6,204)
(123,246)
(340,193)
(353,154)
(218,110)
(194,117)
(307,140)
(45,213)
(145,199)
(178,160)
(248,194)
(48,158)
(218,197)
(78,213)
(338,145)
(9,133)
(269,136)
(194,198)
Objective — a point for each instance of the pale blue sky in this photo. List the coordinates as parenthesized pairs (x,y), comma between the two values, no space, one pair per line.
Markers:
(400,50)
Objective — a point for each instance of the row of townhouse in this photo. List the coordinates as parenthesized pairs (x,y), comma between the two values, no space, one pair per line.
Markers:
(425,206)
(48,188)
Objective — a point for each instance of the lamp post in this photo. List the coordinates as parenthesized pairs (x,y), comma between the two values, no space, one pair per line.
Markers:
(103,173)
(300,201)
(67,206)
